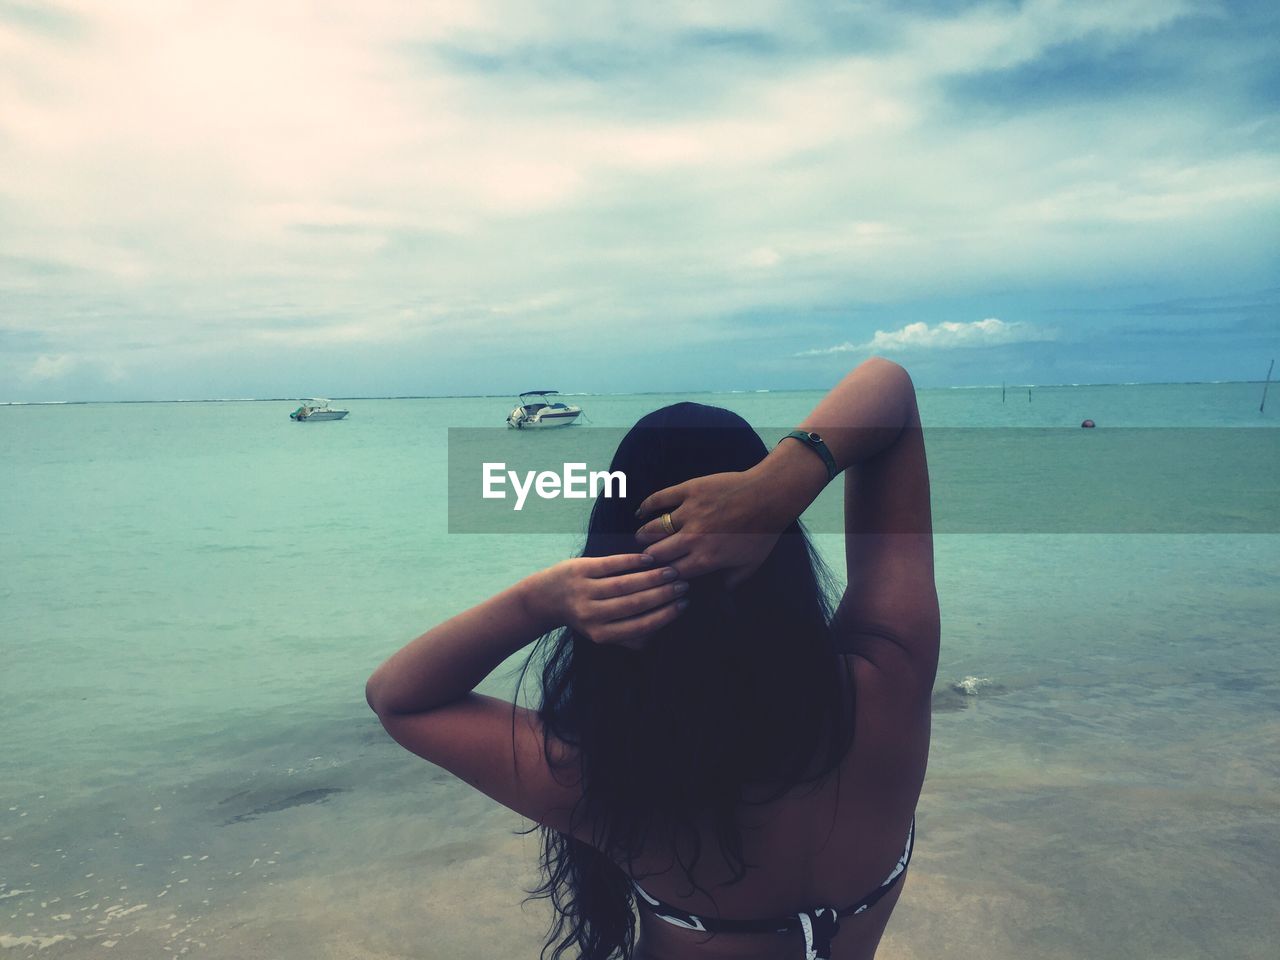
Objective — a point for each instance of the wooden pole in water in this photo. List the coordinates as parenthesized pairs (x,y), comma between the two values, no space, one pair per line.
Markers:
(1002,391)
(1028,394)
(1266,384)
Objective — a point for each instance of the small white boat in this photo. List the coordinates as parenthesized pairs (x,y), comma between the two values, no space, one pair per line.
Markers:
(316,408)
(535,410)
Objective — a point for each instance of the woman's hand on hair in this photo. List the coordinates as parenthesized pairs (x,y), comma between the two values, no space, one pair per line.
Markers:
(619,599)
(723,521)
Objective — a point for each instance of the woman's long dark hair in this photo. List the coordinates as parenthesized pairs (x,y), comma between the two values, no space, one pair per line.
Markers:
(743,690)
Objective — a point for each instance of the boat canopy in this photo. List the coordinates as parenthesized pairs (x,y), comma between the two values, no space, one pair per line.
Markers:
(538,393)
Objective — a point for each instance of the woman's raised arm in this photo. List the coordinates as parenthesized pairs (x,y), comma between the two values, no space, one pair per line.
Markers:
(889,612)
(870,424)
(423,693)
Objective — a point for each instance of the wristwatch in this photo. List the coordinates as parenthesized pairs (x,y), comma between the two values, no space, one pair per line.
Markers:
(818,446)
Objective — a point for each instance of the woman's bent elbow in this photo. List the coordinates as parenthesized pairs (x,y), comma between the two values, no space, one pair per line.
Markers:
(371,694)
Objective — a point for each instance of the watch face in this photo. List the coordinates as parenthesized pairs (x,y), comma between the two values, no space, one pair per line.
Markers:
(815,438)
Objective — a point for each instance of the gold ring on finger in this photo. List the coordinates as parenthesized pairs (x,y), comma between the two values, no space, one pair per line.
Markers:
(667,525)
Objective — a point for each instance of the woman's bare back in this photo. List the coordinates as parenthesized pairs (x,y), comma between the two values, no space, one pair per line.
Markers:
(822,844)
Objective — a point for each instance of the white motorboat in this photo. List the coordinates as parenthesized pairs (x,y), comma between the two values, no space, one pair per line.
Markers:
(316,408)
(535,410)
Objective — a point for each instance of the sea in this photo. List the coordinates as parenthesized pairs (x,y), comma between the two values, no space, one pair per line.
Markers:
(193,594)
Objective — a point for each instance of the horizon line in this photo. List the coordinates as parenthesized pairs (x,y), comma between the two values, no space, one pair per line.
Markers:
(628,393)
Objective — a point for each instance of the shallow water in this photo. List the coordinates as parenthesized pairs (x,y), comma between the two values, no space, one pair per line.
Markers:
(193,594)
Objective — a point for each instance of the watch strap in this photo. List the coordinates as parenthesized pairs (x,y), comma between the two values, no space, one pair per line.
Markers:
(819,446)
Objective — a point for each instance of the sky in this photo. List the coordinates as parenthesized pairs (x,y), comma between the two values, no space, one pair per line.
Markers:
(239,199)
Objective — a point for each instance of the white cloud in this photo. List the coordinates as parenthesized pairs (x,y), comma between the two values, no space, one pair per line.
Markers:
(47,367)
(943,336)
(763,258)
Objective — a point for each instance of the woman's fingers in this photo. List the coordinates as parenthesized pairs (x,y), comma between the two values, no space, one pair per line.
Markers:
(656,529)
(634,604)
(628,583)
(614,564)
(695,554)
(632,631)
(664,500)
(670,549)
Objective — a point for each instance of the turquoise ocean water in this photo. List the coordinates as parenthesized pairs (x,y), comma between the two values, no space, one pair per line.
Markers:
(192,595)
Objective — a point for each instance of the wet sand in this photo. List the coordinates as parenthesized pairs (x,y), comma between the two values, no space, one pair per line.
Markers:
(1021,856)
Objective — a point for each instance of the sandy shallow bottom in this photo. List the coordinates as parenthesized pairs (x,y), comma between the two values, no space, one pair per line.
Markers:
(460,903)
(999,873)
(1064,816)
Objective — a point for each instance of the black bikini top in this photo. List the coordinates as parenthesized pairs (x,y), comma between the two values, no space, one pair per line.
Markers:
(820,925)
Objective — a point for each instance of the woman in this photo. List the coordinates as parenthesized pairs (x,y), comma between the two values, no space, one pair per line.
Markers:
(713,746)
